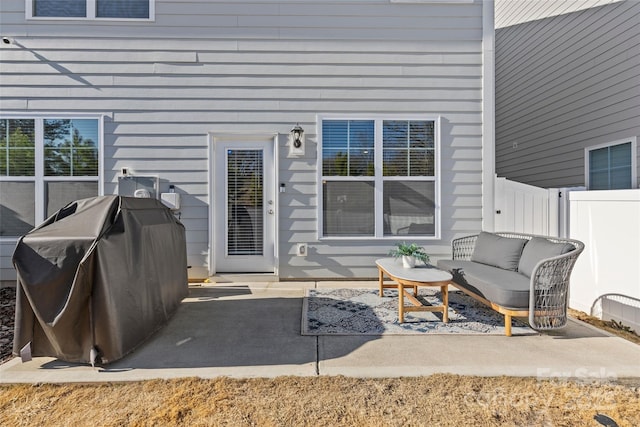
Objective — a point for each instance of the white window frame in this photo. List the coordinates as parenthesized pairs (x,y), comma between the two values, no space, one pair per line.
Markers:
(39,179)
(634,159)
(378,177)
(91,14)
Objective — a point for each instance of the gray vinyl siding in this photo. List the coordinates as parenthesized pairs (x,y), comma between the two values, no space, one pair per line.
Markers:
(260,66)
(565,80)
(7,273)
(513,12)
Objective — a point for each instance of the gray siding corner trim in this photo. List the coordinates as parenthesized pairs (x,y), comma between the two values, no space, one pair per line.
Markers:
(488,115)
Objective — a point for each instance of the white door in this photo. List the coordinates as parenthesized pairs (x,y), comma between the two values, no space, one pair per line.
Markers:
(244,217)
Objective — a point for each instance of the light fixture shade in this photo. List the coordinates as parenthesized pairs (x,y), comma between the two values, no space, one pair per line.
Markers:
(297,130)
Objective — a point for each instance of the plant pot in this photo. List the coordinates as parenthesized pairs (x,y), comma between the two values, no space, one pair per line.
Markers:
(408,261)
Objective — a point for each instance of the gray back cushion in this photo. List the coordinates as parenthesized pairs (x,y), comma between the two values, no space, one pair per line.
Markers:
(497,251)
(538,249)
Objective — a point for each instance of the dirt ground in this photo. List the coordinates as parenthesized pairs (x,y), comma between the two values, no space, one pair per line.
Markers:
(610,326)
(7,317)
(443,400)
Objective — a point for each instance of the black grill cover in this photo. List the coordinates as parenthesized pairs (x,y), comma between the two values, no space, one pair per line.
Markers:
(98,277)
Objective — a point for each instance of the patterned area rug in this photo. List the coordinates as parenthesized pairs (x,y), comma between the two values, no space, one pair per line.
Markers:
(363,312)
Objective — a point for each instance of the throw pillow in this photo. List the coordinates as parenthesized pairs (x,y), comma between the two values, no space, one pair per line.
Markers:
(538,249)
(498,251)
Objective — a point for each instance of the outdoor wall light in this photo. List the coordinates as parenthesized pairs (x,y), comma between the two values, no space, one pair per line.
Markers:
(6,40)
(296,136)
(296,141)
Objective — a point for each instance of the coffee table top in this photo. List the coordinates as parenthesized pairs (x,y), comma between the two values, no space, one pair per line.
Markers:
(420,273)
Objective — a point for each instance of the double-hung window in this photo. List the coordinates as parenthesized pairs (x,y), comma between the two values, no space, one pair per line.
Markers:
(91,9)
(611,166)
(379,177)
(45,163)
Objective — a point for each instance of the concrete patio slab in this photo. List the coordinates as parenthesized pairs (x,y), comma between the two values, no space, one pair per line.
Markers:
(253,330)
(578,352)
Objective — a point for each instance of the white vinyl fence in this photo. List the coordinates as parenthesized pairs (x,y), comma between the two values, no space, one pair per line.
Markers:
(606,278)
(527,209)
(522,208)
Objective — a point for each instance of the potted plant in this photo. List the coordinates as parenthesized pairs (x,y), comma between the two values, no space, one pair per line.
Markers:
(409,254)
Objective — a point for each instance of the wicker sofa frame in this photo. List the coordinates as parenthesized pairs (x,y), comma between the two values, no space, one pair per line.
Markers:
(549,283)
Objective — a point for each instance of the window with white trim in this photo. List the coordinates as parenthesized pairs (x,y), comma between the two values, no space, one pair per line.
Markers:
(91,9)
(45,163)
(611,166)
(379,177)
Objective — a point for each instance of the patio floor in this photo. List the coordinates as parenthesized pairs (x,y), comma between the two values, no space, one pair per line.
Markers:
(243,329)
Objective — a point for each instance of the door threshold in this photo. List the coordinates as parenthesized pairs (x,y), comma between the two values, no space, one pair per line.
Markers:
(243,278)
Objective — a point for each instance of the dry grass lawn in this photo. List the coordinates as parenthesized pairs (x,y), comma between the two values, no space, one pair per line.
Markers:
(444,400)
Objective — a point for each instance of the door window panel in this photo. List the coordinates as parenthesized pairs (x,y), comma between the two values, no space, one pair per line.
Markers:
(245,205)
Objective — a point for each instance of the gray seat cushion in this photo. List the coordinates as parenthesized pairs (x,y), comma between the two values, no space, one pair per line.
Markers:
(506,288)
(538,249)
(498,251)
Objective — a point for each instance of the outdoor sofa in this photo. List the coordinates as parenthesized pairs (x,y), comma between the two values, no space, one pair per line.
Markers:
(516,274)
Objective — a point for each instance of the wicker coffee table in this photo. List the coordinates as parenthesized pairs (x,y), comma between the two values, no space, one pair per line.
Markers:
(411,278)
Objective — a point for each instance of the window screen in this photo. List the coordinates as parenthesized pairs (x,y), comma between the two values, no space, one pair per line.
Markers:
(349,208)
(122,9)
(610,167)
(60,8)
(17,207)
(61,193)
(409,208)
